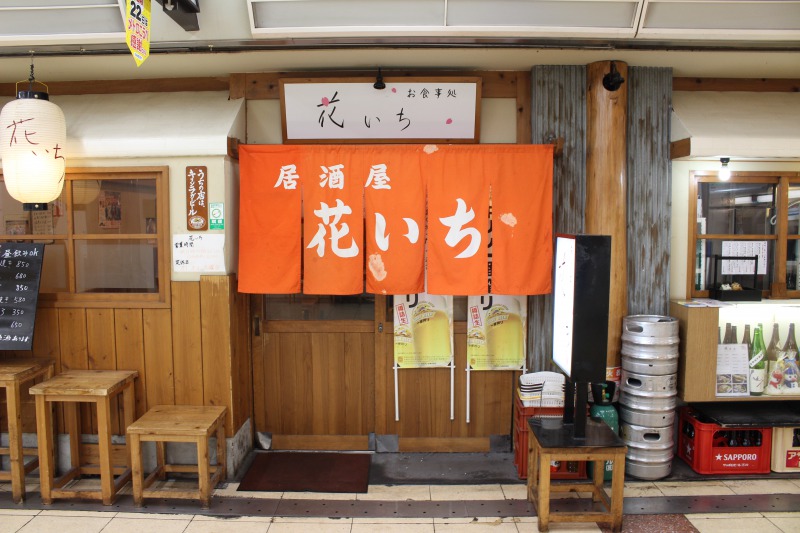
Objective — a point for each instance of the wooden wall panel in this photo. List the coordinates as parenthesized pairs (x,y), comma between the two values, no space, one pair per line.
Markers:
(242,363)
(158,356)
(74,352)
(129,333)
(102,354)
(187,343)
(216,297)
(142,339)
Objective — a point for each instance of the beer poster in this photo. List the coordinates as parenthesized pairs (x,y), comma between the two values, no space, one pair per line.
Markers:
(423,330)
(496,332)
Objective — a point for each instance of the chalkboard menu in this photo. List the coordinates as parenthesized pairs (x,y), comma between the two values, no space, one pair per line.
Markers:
(20,272)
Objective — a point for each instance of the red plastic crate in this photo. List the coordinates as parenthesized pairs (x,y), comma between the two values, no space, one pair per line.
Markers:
(521,416)
(704,447)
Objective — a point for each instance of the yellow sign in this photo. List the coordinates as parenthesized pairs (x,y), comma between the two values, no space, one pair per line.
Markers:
(496,333)
(137,29)
(423,330)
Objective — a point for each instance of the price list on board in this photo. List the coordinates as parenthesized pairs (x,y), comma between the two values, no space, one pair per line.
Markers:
(20,272)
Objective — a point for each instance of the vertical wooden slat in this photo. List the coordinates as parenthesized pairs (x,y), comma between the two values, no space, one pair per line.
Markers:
(381,367)
(259,354)
(524,108)
(74,352)
(158,356)
(242,364)
(186,343)
(288,354)
(303,395)
(130,351)
(102,354)
(367,382)
(606,187)
(216,301)
(353,400)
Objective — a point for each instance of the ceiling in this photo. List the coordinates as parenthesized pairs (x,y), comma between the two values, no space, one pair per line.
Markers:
(84,39)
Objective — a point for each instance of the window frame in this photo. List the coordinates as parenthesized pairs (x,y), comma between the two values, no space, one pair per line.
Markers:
(71,298)
(782,181)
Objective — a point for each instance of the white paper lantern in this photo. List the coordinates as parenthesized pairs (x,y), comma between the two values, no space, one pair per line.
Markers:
(33,134)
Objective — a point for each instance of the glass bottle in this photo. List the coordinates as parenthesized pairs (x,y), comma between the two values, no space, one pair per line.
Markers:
(727,338)
(746,340)
(773,356)
(734,335)
(790,369)
(758,365)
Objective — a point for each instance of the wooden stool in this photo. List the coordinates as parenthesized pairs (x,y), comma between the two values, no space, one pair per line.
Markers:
(178,423)
(97,387)
(13,374)
(558,443)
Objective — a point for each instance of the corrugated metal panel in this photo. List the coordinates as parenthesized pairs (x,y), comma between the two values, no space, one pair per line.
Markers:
(558,110)
(649,189)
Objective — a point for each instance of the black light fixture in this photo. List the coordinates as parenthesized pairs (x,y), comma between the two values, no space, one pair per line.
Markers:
(613,80)
(379,81)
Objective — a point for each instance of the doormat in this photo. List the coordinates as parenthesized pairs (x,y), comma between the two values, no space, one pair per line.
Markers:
(308,472)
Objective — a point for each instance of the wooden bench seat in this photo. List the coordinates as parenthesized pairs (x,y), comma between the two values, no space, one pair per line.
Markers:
(178,423)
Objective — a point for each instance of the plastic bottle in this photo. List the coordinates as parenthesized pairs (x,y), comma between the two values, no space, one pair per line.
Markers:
(758,365)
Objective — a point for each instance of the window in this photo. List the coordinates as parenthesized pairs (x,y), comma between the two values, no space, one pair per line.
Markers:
(105,238)
(751,215)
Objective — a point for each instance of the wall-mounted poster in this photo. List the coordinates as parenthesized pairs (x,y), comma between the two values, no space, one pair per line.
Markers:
(423,330)
(496,332)
(110,214)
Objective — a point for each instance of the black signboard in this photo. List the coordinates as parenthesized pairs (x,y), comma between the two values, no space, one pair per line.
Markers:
(20,271)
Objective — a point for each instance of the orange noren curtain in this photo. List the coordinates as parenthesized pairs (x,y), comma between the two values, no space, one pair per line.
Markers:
(394,193)
(333,222)
(458,221)
(269,220)
(522,211)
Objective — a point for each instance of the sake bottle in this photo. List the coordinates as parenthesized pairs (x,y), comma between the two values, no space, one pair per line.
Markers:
(746,340)
(773,355)
(789,354)
(734,335)
(790,348)
(727,338)
(758,365)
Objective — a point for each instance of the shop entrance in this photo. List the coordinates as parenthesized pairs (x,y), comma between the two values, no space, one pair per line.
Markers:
(323,380)
(314,370)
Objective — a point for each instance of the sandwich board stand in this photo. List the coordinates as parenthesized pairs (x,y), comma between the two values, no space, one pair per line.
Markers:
(580,334)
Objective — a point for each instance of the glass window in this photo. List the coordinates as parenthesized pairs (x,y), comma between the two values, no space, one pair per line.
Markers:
(746,216)
(102,238)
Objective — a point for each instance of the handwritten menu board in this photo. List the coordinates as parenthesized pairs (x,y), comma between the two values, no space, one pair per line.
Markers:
(20,272)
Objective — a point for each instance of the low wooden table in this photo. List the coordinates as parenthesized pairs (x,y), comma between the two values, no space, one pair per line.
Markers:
(178,423)
(14,373)
(97,387)
(552,440)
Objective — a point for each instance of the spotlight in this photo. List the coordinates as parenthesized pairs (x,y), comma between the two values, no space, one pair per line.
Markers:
(613,80)
(379,81)
(724,173)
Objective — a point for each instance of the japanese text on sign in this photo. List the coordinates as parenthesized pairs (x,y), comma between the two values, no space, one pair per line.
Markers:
(137,29)
(20,271)
(354,110)
(196,206)
(198,253)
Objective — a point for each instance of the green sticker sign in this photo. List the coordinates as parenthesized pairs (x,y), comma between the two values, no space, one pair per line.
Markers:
(216,215)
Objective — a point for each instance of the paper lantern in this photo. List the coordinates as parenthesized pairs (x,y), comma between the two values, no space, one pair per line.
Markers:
(33,134)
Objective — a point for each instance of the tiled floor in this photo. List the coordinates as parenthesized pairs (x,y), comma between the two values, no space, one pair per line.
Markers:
(94,519)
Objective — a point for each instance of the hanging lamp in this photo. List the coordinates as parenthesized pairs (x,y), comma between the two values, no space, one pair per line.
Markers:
(33,134)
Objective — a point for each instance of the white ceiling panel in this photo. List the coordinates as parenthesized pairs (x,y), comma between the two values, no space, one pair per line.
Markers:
(24,22)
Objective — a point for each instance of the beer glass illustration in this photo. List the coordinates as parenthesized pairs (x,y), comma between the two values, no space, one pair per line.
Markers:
(431,330)
(504,336)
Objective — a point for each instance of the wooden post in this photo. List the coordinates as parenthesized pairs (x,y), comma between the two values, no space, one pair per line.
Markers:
(606,141)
